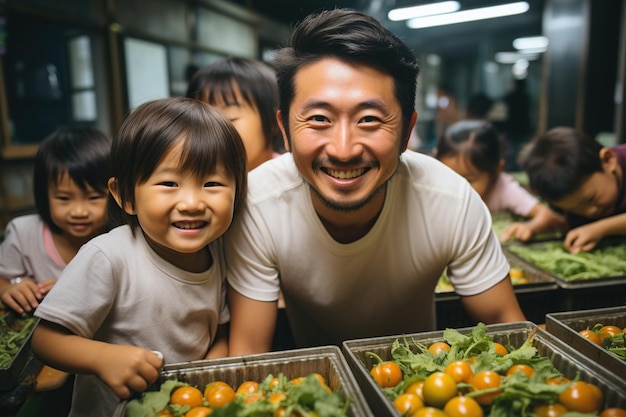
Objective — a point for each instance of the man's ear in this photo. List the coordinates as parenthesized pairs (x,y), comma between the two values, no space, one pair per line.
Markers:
(279,119)
(408,136)
(608,159)
(114,190)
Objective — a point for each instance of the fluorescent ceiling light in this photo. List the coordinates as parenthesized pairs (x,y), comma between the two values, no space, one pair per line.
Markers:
(406,13)
(513,57)
(469,15)
(531,42)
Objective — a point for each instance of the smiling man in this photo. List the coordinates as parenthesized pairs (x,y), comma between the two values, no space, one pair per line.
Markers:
(353,228)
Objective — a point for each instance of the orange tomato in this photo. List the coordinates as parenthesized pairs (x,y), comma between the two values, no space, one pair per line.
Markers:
(557,380)
(429,412)
(437,347)
(591,336)
(438,388)
(198,412)
(608,331)
(549,410)
(252,398)
(247,387)
(387,374)
(415,388)
(407,404)
(520,367)
(277,397)
(613,412)
(214,385)
(483,380)
(186,395)
(219,396)
(461,371)
(579,397)
(500,349)
(463,407)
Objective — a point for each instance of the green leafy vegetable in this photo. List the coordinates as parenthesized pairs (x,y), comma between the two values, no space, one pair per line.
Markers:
(604,261)
(13,334)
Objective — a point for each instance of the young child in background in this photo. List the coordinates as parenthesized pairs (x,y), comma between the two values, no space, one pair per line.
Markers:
(473,149)
(156,283)
(584,179)
(70,189)
(245,90)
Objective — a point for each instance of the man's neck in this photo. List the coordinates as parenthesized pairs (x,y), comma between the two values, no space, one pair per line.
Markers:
(348,227)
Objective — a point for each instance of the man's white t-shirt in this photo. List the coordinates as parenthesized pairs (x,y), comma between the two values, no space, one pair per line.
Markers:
(382,284)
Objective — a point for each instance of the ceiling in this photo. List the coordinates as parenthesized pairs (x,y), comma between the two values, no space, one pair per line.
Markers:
(452,42)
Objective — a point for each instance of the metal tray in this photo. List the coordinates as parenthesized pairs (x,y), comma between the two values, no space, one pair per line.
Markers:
(535,298)
(566,325)
(585,294)
(10,375)
(568,361)
(327,361)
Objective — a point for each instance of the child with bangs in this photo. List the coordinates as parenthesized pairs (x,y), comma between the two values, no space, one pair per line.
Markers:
(70,189)
(152,289)
(473,149)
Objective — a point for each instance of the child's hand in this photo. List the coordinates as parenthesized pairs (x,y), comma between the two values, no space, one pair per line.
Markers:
(520,231)
(23,296)
(46,286)
(582,239)
(128,369)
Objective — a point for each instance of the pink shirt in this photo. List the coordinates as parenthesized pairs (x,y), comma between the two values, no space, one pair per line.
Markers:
(508,195)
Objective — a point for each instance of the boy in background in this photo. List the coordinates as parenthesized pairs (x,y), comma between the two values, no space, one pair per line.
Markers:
(583,179)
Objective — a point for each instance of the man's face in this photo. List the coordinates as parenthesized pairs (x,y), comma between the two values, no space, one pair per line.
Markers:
(345,127)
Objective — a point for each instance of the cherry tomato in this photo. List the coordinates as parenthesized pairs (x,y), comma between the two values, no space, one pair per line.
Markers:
(484,380)
(549,410)
(597,392)
(613,412)
(438,388)
(247,387)
(214,385)
(415,388)
(462,406)
(520,367)
(608,331)
(579,397)
(557,380)
(273,383)
(500,349)
(591,336)
(429,412)
(251,398)
(407,404)
(220,395)
(198,412)
(165,413)
(282,412)
(186,395)
(387,374)
(277,397)
(437,347)
(461,371)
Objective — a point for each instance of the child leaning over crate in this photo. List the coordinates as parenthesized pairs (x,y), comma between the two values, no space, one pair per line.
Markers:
(473,149)
(155,283)
(70,189)
(583,179)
